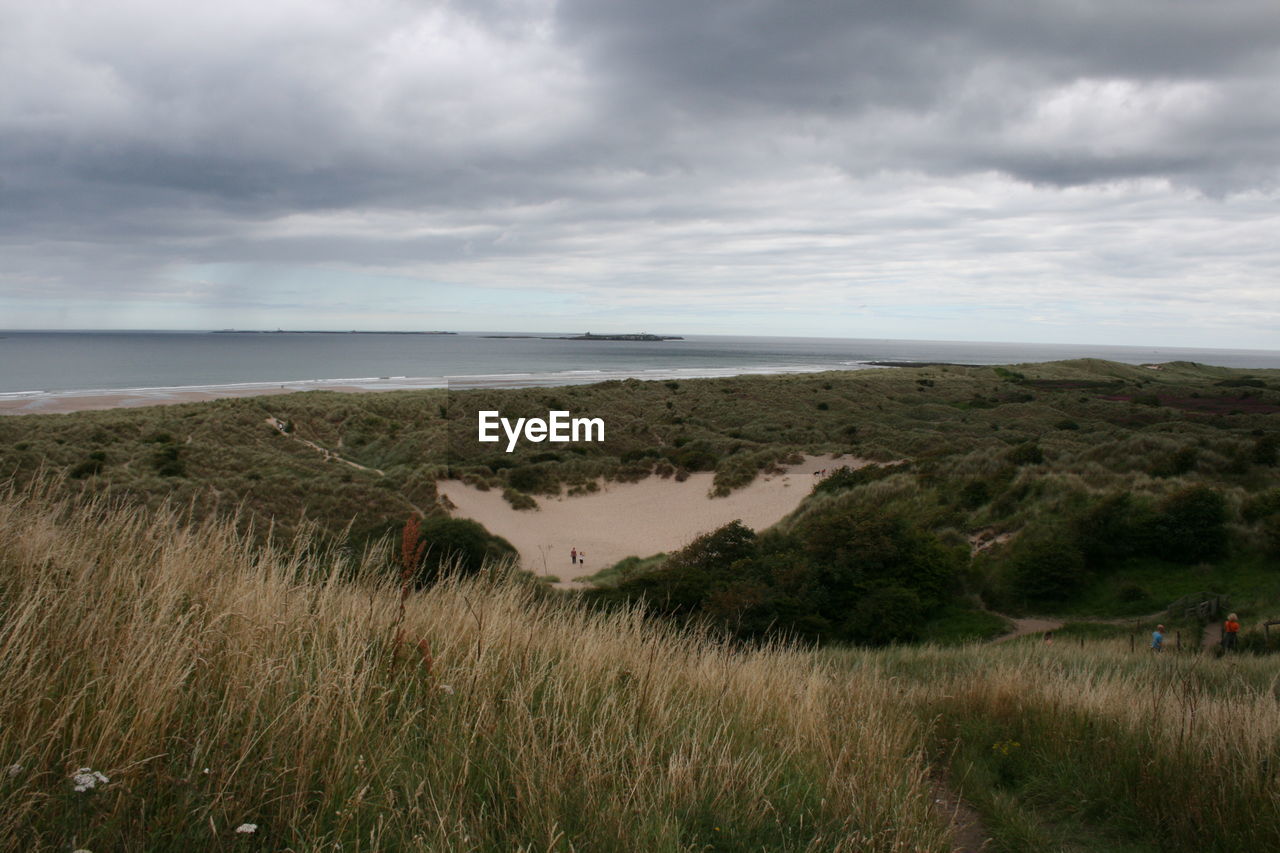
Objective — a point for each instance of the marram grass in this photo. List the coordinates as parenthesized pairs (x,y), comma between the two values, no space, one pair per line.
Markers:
(273,699)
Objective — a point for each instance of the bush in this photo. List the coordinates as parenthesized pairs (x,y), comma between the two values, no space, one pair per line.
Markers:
(530,479)
(844,477)
(694,456)
(1028,453)
(1114,528)
(1192,526)
(886,614)
(1266,450)
(856,549)
(519,500)
(975,493)
(456,545)
(1047,567)
(1260,506)
(1271,535)
(1176,464)
(168,463)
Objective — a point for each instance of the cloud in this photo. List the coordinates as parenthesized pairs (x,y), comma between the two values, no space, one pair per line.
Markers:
(698,156)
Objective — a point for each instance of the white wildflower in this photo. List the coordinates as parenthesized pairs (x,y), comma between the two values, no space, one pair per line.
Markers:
(14,770)
(86,779)
(247,828)
(447,689)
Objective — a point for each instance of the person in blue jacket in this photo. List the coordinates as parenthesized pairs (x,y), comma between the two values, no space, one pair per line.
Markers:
(1157,639)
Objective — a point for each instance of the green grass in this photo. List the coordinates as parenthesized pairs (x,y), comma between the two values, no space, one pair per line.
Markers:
(1251,583)
(625,569)
(957,625)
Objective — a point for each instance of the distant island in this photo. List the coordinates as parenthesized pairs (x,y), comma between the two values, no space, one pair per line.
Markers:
(316,332)
(643,336)
(919,364)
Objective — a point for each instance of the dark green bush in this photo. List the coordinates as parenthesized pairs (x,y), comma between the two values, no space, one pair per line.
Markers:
(886,614)
(844,477)
(1191,526)
(1047,566)
(1266,449)
(1027,453)
(167,462)
(457,544)
(1115,527)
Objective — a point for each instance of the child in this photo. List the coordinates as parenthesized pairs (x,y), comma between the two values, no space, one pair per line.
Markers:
(1230,632)
(1157,639)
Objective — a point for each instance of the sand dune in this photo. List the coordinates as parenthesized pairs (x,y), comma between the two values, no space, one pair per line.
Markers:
(626,519)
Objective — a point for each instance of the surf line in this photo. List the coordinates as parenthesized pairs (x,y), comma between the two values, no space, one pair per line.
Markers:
(557,426)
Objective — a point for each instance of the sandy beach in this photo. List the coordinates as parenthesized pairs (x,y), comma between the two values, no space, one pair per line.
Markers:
(633,519)
(61,402)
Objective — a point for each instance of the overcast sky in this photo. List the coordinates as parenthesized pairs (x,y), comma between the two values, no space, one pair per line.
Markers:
(1088,171)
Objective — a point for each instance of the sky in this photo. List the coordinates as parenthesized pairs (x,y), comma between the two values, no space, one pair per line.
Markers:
(1093,171)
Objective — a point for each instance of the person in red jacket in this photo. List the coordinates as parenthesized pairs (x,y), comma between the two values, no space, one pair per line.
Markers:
(1230,632)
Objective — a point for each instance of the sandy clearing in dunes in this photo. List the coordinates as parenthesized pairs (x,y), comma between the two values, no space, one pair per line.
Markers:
(633,519)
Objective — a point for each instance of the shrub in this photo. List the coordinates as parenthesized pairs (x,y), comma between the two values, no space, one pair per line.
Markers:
(530,479)
(975,494)
(855,549)
(1176,464)
(886,614)
(1191,526)
(89,467)
(1047,567)
(1260,506)
(1266,449)
(694,456)
(518,500)
(167,462)
(845,478)
(1027,453)
(456,545)
(1114,528)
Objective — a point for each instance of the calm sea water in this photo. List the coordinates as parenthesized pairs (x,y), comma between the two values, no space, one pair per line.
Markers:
(74,361)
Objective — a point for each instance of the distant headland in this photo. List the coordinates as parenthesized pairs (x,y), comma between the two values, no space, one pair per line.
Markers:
(643,336)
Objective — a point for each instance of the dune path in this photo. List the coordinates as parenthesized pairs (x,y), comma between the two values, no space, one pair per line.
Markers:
(1023,627)
(633,519)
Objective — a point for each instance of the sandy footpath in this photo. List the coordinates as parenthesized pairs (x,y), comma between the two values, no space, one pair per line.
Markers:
(633,519)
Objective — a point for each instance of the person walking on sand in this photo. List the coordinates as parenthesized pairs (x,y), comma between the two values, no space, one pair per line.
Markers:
(1230,632)
(573,555)
(1157,639)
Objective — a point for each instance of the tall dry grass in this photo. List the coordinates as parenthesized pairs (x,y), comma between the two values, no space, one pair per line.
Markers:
(215,685)
(1175,751)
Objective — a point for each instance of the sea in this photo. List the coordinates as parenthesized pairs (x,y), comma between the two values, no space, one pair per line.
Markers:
(40,362)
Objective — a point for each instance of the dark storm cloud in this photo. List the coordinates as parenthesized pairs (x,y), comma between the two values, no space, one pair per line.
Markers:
(963,75)
(697,143)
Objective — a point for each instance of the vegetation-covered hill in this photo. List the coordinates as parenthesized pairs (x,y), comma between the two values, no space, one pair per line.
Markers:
(1080,485)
